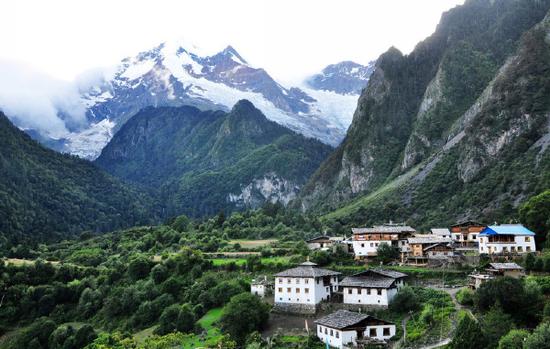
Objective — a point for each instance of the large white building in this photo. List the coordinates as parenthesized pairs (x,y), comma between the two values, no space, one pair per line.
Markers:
(506,239)
(301,289)
(367,240)
(345,329)
(372,287)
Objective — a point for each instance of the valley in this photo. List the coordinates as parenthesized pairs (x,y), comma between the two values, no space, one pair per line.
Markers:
(188,198)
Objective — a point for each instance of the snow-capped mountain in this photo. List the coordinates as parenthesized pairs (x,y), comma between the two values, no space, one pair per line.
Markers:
(346,77)
(173,75)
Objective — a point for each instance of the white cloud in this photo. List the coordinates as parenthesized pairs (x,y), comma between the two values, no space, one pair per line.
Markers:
(38,101)
(289,38)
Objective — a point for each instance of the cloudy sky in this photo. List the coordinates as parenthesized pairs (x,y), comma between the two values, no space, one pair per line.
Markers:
(289,38)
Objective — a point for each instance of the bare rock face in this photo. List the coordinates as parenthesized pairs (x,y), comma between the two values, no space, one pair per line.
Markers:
(270,188)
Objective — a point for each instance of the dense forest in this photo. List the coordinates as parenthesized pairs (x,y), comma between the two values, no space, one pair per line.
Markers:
(45,195)
(204,162)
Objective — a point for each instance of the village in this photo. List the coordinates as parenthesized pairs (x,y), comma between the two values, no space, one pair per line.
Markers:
(308,289)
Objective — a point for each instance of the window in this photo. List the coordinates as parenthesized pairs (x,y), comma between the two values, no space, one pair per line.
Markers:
(317,281)
(280,298)
(504,249)
(326,332)
(372,332)
(386,331)
(368,290)
(528,249)
(358,291)
(337,334)
(379,291)
(362,245)
(306,290)
(513,248)
(473,238)
(297,281)
(320,329)
(280,281)
(527,239)
(349,290)
(297,290)
(280,289)
(289,281)
(306,281)
(331,333)
(371,244)
(520,249)
(289,290)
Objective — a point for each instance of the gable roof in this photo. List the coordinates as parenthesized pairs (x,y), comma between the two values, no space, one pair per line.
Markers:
(367,281)
(375,278)
(440,231)
(506,229)
(467,223)
(505,266)
(446,244)
(428,240)
(394,229)
(344,318)
(389,273)
(307,269)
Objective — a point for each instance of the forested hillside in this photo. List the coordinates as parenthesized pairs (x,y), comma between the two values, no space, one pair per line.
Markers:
(204,162)
(44,193)
(456,129)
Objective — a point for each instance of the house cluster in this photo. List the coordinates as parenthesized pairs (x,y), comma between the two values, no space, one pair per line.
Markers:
(304,288)
(493,271)
(438,244)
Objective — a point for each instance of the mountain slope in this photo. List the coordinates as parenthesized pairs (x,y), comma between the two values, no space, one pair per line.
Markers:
(206,161)
(432,127)
(43,193)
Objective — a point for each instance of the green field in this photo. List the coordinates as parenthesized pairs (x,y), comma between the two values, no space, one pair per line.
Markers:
(248,244)
(212,335)
(241,261)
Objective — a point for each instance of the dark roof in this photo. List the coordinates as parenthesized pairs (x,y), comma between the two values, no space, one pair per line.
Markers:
(446,244)
(389,273)
(319,238)
(367,281)
(375,278)
(345,318)
(505,266)
(307,269)
(393,229)
(467,223)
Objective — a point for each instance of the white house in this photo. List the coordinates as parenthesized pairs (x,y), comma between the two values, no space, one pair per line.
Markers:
(345,329)
(301,289)
(367,240)
(506,239)
(372,287)
(261,286)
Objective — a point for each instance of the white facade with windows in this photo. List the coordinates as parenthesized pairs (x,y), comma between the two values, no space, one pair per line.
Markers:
(367,240)
(506,239)
(344,329)
(372,287)
(306,284)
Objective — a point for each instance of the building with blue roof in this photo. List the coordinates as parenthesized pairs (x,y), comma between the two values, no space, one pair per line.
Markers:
(506,239)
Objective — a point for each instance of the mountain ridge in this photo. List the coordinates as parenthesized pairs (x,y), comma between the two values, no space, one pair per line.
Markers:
(202,162)
(428,103)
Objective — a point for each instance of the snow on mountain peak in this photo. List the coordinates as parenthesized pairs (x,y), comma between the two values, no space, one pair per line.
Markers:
(179,73)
